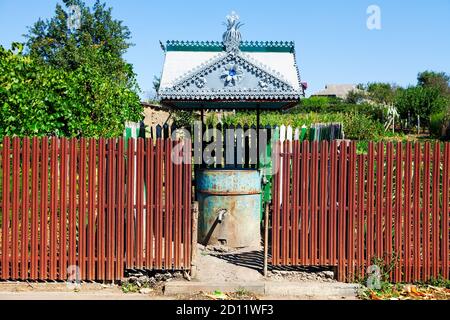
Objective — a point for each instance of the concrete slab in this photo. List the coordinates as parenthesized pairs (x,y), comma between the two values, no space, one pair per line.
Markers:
(315,289)
(41,295)
(192,287)
(281,289)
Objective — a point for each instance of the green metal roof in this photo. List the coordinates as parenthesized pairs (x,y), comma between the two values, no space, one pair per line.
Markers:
(218,46)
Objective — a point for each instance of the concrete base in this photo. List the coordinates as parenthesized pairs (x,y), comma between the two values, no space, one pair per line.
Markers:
(269,288)
(180,287)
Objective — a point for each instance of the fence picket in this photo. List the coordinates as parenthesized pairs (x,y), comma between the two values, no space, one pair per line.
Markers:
(15,208)
(5,208)
(54,208)
(24,273)
(435,211)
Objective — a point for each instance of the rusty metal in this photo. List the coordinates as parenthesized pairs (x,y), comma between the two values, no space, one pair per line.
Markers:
(240,226)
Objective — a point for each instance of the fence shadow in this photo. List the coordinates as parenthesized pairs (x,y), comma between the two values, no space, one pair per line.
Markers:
(249,259)
(255,260)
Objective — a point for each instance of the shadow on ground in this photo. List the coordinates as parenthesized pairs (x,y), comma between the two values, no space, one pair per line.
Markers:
(255,260)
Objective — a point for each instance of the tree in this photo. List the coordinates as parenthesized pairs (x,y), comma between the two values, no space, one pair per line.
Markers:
(99,41)
(38,99)
(437,80)
(355,96)
(419,102)
(70,82)
(379,92)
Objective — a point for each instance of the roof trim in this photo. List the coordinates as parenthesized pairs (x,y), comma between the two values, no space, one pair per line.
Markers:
(218,46)
(177,92)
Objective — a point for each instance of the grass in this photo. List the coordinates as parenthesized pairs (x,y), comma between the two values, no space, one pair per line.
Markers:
(434,289)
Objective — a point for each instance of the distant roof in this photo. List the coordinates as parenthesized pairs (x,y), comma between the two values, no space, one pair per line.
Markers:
(336,90)
(154,106)
(231,73)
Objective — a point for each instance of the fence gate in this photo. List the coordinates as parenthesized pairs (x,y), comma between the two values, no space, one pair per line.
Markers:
(391,206)
(91,208)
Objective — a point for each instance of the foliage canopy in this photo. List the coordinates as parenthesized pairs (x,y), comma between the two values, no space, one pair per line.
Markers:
(69,82)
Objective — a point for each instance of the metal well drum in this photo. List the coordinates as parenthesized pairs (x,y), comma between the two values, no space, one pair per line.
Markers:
(229,207)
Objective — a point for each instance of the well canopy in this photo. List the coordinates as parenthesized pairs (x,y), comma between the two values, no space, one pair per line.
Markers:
(230,74)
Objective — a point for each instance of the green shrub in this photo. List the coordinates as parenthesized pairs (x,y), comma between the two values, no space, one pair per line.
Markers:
(440,125)
(358,126)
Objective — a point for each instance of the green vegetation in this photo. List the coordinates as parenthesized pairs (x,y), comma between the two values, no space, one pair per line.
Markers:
(365,111)
(69,83)
(435,288)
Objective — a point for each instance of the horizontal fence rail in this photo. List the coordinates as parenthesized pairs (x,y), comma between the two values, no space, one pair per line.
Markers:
(89,208)
(390,208)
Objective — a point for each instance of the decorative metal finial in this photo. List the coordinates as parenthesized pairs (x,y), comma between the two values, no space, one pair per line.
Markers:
(232,37)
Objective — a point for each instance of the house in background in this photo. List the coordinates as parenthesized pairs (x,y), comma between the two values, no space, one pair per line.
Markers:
(155,114)
(336,91)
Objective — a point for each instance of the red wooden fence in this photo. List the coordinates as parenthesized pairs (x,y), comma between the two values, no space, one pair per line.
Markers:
(93,207)
(332,206)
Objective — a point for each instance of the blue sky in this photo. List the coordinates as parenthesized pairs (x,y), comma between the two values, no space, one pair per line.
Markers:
(333,44)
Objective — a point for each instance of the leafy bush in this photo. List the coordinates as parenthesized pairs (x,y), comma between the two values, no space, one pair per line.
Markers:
(273,118)
(419,101)
(358,126)
(440,125)
(183,119)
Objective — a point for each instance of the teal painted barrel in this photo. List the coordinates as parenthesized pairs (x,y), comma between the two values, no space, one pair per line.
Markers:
(229,207)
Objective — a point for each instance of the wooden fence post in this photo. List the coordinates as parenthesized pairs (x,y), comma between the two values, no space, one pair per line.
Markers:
(266,238)
(194,248)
